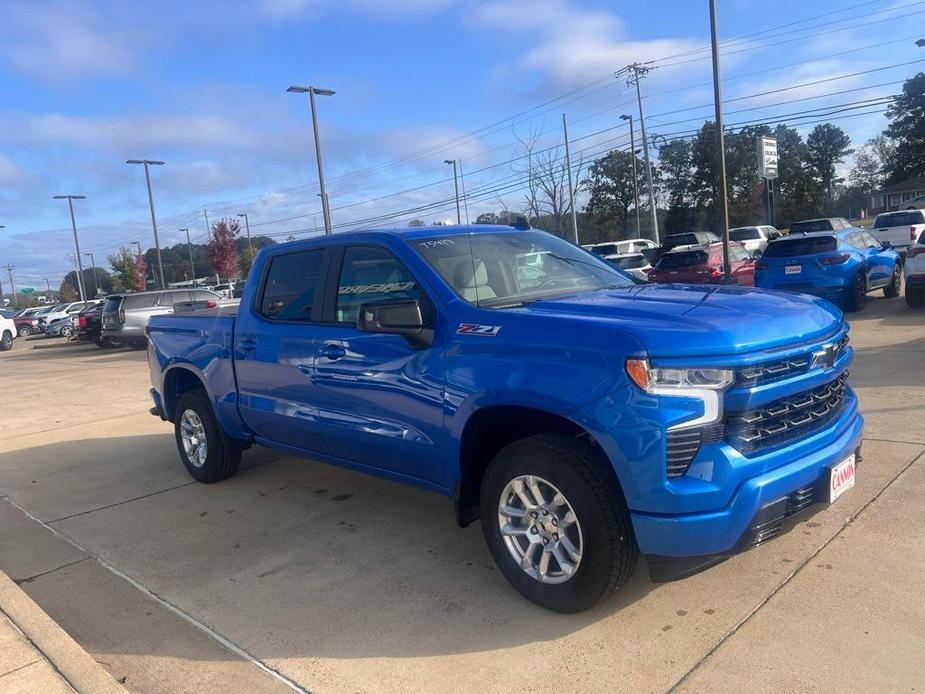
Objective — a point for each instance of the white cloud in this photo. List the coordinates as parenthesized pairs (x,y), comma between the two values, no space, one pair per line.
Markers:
(11,174)
(60,40)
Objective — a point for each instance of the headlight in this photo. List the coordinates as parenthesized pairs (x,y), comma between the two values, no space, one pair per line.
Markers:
(651,378)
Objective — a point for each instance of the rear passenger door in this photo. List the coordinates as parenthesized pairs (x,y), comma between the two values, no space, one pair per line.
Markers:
(274,351)
(881,261)
(379,398)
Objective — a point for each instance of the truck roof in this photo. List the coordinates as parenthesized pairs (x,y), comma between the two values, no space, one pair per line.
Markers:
(411,233)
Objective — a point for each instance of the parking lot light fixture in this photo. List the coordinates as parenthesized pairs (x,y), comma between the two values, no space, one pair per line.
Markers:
(70,204)
(96,279)
(157,245)
(312,92)
(247,226)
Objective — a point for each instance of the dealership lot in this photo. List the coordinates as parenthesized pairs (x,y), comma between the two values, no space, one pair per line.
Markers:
(295,573)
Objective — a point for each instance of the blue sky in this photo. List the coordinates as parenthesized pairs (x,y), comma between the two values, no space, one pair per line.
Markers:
(201,84)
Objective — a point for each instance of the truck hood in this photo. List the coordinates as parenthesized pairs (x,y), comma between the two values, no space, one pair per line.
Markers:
(677,320)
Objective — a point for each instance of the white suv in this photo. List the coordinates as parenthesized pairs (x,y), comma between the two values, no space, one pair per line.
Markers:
(914,273)
(7,331)
(754,238)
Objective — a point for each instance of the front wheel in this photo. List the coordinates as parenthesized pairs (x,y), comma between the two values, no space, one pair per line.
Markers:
(25,331)
(6,342)
(556,524)
(858,293)
(893,289)
(209,455)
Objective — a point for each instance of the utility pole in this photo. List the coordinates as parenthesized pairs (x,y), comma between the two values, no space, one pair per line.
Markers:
(9,270)
(456,183)
(189,246)
(47,287)
(312,91)
(640,70)
(629,117)
(80,271)
(96,279)
(571,188)
(157,243)
(720,145)
(138,246)
(247,226)
(462,184)
(205,213)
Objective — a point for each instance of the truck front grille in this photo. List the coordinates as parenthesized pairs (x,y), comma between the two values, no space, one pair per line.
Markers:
(786,419)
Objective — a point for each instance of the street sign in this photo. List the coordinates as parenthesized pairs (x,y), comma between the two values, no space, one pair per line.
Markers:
(767,157)
(26,290)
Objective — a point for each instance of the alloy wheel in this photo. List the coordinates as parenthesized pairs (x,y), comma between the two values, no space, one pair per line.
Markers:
(193,436)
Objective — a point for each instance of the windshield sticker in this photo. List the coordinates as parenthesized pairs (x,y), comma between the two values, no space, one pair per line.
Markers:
(477,329)
(437,243)
(376,288)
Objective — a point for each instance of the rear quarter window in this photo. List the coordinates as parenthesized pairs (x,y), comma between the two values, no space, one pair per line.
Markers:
(809,245)
(135,301)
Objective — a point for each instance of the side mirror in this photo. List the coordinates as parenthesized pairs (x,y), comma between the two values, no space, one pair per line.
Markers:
(396,317)
(886,245)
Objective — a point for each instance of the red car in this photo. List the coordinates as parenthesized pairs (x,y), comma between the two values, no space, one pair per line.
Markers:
(26,324)
(704,265)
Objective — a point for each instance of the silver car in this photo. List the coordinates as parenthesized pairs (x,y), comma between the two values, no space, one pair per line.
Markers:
(125,316)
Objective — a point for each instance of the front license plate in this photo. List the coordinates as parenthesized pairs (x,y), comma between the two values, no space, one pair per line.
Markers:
(793,269)
(841,478)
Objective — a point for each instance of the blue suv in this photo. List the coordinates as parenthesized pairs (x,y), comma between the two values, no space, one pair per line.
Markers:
(842,266)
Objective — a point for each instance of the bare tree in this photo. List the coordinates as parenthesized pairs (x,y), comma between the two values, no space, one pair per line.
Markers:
(524,162)
(547,180)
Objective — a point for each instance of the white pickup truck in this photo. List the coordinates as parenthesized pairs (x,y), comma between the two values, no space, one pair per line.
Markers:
(901,228)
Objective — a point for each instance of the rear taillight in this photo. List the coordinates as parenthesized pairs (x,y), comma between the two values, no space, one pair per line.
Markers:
(82,321)
(211,304)
(837,259)
(914,251)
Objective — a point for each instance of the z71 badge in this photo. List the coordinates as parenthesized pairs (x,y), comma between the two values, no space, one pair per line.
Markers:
(476,329)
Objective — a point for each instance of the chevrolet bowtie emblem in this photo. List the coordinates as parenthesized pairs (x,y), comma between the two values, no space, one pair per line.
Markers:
(825,357)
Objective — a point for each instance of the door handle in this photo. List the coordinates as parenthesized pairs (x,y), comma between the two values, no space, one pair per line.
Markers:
(332,351)
(247,344)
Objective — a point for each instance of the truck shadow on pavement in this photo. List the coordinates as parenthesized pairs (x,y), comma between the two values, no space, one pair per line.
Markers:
(289,558)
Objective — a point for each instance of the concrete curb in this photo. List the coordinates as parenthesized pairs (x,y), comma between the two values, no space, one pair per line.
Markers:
(74,664)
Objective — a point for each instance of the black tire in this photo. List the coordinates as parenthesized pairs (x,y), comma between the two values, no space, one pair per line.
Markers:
(858,293)
(915,298)
(24,331)
(608,551)
(894,288)
(223,456)
(6,342)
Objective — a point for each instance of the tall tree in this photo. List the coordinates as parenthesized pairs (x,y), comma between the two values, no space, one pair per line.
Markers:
(487,218)
(139,273)
(123,264)
(223,247)
(907,130)
(610,185)
(826,146)
(867,173)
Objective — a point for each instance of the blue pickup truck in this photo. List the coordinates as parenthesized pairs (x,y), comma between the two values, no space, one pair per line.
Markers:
(584,418)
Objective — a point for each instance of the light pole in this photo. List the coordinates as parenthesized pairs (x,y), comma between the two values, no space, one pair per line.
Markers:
(720,145)
(192,268)
(96,280)
(80,271)
(312,92)
(640,70)
(571,188)
(247,226)
(9,270)
(47,287)
(635,177)
(455,183)
(157,243)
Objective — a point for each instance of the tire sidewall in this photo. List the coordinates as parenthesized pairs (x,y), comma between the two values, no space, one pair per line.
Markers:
(858,298)
(6,342)
(593,575)
(197,401)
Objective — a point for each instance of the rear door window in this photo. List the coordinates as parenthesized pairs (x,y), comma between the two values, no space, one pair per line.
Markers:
(806,245)
(135,301)
(290,288)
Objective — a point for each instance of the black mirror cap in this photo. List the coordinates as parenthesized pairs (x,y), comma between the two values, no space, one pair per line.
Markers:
(886,245)
(396,317)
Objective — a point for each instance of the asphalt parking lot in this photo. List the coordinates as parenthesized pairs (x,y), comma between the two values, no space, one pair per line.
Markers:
(297,574)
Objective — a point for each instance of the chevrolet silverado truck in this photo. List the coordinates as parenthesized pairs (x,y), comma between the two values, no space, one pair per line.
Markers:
(584,418)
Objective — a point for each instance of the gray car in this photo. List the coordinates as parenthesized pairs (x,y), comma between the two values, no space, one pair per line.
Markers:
(126,315)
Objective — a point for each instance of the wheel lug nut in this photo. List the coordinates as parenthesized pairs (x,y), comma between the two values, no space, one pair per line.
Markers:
(532,514)
(533,530)
(545,512)
(555,522)
(555,536)
(545,541)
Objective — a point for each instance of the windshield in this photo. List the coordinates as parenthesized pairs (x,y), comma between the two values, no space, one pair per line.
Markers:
(683,259)
(899,219)
(806,245)
(498,270)
(745,234)
(811,225)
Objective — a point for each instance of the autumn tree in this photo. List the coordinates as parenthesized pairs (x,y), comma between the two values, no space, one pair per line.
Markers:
(139,273)
(223,248)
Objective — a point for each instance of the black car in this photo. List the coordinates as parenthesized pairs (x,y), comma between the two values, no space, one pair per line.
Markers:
(88,326)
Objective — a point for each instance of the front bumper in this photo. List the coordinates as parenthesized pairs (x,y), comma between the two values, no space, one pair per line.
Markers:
(703,539)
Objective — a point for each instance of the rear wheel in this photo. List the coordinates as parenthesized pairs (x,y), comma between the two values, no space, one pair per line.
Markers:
(915,298)
(207,454)
(25,331)
(858,293)
(6,342)
(893,289)
(556,524)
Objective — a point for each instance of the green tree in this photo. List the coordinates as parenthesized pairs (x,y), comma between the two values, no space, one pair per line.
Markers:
(610,184)
(674,165)
(907,130)
(487,218)
(826,146)
(123,264)
(867,173)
